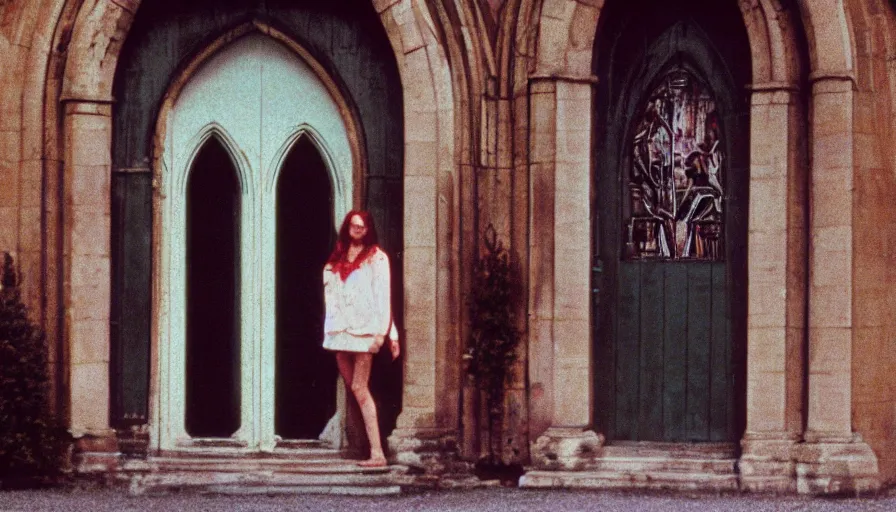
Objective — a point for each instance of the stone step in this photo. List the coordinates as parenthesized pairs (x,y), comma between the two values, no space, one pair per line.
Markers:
(270,477)
(664,464)
(309,453)
(232,465)
(629,480)
(671,450)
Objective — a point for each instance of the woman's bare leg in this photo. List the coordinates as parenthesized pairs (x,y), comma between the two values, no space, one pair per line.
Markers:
(346,363)
(363,363)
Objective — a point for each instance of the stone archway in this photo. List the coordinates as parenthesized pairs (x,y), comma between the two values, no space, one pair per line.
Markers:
(560,84)
(96,31)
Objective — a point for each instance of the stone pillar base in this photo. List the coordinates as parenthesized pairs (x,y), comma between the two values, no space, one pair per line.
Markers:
(566,449)
(431,454)
(832,464)
(96,453)
(766,464)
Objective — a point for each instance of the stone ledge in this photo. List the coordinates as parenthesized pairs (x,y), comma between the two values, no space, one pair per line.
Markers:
(639,480)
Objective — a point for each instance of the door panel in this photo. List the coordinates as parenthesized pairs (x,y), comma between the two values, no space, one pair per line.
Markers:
(671,370)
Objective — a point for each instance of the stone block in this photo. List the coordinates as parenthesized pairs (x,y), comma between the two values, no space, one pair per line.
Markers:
(834,151)
(836,468)
(31,176)
(89,288)
(574,145)
(30,229)
(566,449)
(421,126)
(572,341)
(553,39)
(9,229)
(829,401)
(766,401)
(767,349)
(572,285)
(382,5)
(830,351)
(89,341)
(9,191)
(411,38)
(419,94)
(90,233)
(89,386)
(420,396)
(10,144)
(832,114)
(830,307)
(420,211)
(421,159)
(831,206)
(572,395)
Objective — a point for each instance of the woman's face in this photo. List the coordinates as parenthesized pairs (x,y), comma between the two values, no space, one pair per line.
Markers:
(356,228)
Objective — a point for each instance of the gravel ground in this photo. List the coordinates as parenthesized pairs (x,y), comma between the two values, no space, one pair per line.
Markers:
(499,499)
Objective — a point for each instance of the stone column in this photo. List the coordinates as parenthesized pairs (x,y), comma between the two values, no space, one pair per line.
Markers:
(560,274)
(86,277)
(426,432)
(776,303)
(833,458)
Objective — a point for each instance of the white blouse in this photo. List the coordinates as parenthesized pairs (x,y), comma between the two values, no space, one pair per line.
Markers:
(358,308)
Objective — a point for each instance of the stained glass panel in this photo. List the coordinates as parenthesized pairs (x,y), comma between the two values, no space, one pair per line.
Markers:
(675,198)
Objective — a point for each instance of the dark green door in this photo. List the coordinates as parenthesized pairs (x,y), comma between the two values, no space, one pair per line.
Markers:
(669,255)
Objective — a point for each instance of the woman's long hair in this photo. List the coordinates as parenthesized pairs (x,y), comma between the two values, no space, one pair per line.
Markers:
(338,258)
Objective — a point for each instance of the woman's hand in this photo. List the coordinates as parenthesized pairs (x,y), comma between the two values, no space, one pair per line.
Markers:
(395,348)
(377,343)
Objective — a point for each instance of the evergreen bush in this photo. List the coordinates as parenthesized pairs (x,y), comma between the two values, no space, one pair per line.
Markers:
(33,443)
(491,348)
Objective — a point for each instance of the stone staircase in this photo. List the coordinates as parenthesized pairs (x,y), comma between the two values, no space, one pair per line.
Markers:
(293,467)
(711,466)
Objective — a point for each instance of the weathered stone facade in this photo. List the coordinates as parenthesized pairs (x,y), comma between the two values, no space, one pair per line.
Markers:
(498,100)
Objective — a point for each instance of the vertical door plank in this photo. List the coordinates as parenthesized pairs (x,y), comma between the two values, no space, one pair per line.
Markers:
(699,321)
(650,414)
(675,349)
(721,399)
(628,333)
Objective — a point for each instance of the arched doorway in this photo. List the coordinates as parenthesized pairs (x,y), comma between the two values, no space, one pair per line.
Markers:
(671,186)
(305,372)
(266,104)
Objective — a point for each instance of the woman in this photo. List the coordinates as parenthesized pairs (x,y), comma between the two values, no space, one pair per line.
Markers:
(359,315)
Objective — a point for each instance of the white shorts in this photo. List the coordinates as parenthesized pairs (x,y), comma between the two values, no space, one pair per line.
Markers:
(343,341)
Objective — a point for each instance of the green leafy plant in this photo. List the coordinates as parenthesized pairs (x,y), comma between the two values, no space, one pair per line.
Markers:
(33,444)
(491,348)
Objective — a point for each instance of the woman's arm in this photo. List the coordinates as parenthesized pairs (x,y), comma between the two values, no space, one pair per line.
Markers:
(382,294)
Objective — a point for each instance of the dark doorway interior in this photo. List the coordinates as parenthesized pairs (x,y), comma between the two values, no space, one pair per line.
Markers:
(306,373)
(213,283)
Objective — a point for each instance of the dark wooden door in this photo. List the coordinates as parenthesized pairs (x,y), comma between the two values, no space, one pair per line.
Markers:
(671,187)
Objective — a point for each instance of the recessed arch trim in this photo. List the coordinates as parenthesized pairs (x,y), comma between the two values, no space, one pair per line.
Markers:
(347,111)
(241,165)
(338,177)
